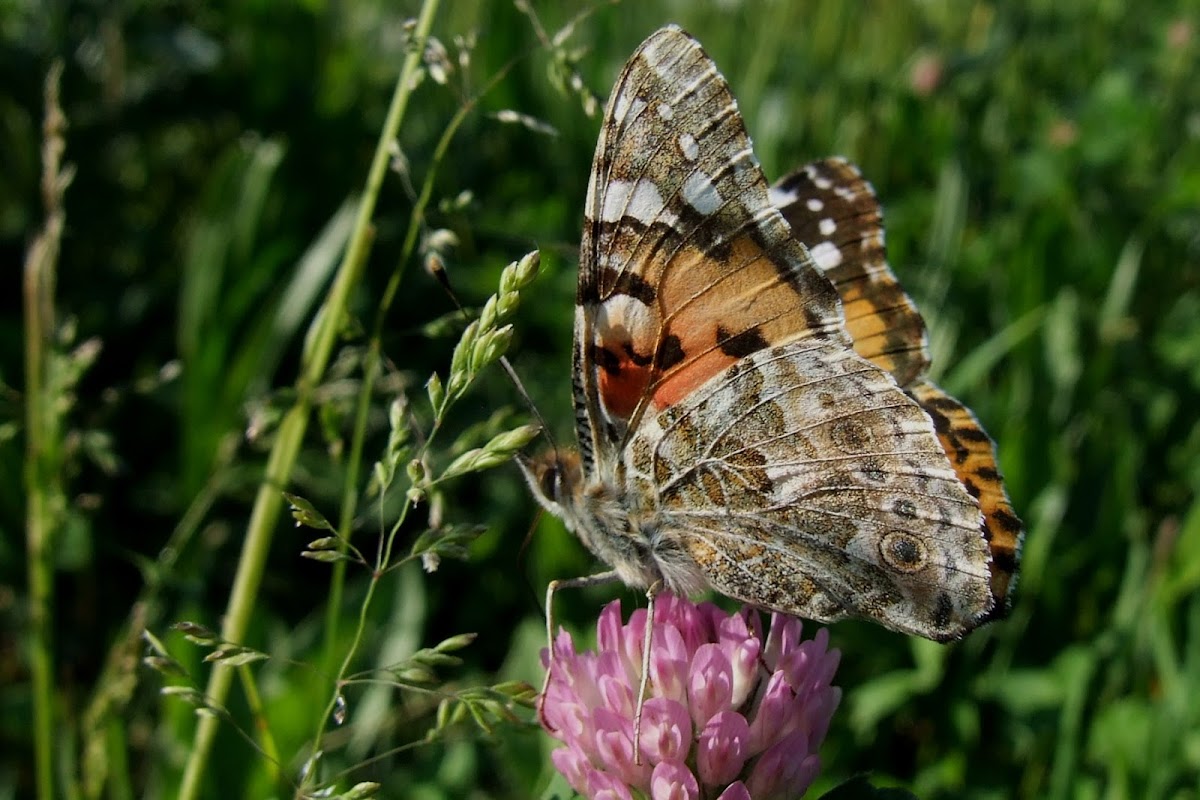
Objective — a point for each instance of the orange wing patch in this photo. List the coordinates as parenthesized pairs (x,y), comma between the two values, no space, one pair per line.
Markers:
(623,379)
(885,326)
(711,308)
(717,311)
(973,457)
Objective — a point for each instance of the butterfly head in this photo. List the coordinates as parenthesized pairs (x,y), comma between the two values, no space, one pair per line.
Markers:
(554,477)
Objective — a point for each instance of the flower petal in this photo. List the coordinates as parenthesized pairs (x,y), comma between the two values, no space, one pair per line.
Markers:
(574,766)
(774,707)
(609,630)
(602,786)
(783,638)
(666,731)
(616,695)
(722,748)
(736,791)
(710,684)
(672,780)
(821,713)
(694,623)
(669,659)
(742,647)
(633,637)
(566,721)
(564,647)
(732,628)
(785,770)
(614,747)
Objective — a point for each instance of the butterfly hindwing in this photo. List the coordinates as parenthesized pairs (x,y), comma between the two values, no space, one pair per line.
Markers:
(972,455)
(833,210)
(805,481)
(685,266)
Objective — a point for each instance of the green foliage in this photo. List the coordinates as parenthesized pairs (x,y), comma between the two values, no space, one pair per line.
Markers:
(1039,163)
(859,788)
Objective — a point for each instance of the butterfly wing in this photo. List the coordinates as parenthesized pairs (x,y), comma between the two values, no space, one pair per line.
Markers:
(803,480)
(833,210)
(972,455)
(685,266)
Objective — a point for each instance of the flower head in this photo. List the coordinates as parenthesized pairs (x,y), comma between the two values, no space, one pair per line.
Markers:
(727,714)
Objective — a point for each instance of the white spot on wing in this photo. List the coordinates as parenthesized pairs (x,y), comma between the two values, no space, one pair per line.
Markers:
(814,204)
(621,318)
(687,143)
(640,200)
(827,255)
(771,225)
(665,111)
(627,105)
(700,194)
(827,227)
(622,106)
(821,182)
(780,197)
(743,159)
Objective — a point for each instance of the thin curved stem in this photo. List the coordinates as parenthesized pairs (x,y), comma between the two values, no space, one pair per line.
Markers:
(269,501)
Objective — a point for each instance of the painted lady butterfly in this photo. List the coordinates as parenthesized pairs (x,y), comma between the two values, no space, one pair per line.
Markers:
(750,405)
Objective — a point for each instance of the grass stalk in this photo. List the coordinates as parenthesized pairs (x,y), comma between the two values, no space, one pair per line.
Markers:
(269,501)
(350,488)
(370,376)
(262,728)
(43,445)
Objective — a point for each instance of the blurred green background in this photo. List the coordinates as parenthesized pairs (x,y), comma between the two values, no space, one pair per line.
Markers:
(1039,164)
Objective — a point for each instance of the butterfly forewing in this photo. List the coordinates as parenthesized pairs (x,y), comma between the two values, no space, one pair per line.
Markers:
(685,265)
(833,210)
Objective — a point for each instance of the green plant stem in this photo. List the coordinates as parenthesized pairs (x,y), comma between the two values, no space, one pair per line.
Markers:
(269,501)
(42,431)
(114,687)
(117,745)
(370,375)
(349,505)
(265,739)
(359,632)
(254,553)
(37,534)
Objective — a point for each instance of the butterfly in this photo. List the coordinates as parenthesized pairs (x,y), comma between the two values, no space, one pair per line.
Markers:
(748,375)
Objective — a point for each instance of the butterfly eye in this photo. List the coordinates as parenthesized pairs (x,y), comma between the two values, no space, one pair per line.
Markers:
(551,482)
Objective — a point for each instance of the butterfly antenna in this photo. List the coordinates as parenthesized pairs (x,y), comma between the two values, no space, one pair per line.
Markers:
(523,552)
(437,269)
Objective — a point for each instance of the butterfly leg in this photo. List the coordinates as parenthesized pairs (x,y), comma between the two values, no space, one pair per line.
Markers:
(643,685)
(598,579)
